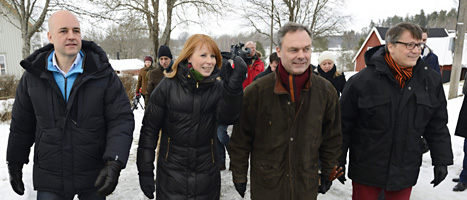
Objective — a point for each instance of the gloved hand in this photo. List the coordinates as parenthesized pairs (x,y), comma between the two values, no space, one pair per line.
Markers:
(325,183)
(147,185)
(342,178)
(108,177)
(441,171)
(16,177)
(234,77)
(241,188)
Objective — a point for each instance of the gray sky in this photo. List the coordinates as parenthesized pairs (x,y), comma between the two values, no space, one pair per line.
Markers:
(362,12)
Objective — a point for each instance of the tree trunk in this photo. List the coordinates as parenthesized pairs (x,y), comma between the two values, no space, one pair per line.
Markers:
(165,39)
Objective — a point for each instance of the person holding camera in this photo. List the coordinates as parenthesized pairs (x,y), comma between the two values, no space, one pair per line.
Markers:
(254,63)
(189,104)
(143,77)
(290,119)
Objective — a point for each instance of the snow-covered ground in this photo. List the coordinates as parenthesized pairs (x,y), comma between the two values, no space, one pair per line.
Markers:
(128,187)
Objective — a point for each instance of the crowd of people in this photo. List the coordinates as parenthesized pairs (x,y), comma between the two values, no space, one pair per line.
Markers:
(296,127)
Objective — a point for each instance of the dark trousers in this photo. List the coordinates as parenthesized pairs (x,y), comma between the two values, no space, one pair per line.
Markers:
(222,142)
(463,176)
(365,192)
(43,195)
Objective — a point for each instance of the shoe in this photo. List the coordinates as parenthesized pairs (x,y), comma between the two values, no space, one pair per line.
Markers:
(455,180)
(459,187)
(222,167)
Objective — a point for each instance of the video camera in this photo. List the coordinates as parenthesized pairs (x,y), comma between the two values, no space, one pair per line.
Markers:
(136,101)
(236,50)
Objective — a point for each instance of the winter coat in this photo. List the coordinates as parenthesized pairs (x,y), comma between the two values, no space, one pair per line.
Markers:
(264,73)
(143,76)
(188,112)
(254,69)
(431,59)
(382,123)
(155,76)
(336,78)
(73,139)
(284,143)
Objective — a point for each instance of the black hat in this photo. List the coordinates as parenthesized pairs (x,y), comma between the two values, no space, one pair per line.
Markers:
(164,51)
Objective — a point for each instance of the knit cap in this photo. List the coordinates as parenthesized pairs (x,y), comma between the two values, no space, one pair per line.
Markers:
(148,58)
(326,55)
(164,51)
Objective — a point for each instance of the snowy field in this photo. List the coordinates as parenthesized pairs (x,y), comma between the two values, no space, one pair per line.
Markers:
(128,187)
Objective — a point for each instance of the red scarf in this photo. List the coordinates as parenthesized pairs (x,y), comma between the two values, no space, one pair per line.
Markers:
(293,83)
(402,74)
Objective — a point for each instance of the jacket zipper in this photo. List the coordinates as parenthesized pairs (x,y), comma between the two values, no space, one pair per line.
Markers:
(212,150)
(168,147)
(65,89)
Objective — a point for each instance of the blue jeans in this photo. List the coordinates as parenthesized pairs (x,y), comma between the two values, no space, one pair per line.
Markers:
(222,142)
(44,195)
(463,176)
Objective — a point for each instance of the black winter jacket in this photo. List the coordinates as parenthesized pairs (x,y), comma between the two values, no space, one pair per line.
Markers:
(73,139)
(336,78)
(188,113)
(382,123)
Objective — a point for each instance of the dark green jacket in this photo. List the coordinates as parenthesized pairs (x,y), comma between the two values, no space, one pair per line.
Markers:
(284,144)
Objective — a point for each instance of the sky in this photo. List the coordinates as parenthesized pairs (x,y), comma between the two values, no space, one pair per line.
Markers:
(361,11)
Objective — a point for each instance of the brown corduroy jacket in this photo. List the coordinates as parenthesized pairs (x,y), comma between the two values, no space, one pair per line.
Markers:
(284,144)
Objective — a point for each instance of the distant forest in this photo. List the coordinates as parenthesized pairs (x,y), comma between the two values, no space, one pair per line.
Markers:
(441,19)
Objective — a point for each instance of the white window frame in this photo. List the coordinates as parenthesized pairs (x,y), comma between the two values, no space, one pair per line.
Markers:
(3,69)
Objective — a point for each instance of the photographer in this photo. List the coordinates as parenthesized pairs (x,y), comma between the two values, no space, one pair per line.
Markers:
(254,63)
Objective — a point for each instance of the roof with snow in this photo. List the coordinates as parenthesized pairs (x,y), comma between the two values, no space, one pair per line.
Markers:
(126,64)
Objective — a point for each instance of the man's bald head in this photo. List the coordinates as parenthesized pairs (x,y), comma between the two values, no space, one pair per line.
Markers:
(61,14)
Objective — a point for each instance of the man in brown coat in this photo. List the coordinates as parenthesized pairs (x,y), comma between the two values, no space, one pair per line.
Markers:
(143,78)
(164,58)
(290,119)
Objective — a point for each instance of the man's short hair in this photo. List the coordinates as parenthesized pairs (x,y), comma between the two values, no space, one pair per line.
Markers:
(395,32)
(290,27)
(273,57)
(424,30)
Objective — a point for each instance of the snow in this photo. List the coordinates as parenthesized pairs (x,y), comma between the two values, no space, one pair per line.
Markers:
(128,187)
(126,64)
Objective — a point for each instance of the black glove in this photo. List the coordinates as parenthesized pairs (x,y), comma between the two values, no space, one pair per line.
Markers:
(342,178)
(16,177)
(241,188)
(108,177)
(325,184)
(441,171)
(233,81)
(147,185)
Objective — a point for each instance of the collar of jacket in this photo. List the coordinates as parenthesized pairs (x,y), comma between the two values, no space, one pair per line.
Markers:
(329,74)
(94,60)
(187,78)
(279,87)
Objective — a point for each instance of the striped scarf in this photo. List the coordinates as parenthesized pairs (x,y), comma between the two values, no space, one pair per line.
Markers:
(402,74)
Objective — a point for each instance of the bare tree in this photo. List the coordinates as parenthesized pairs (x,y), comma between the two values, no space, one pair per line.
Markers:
(31,15)
(321,16)
(185,12)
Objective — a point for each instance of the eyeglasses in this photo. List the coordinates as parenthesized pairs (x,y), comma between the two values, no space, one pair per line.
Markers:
(412,45)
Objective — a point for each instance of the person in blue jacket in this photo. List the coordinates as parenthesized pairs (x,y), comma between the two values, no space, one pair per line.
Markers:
(72,106)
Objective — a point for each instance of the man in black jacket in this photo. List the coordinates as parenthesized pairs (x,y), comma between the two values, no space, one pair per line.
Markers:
(274,61)
(385,109)
(72,106)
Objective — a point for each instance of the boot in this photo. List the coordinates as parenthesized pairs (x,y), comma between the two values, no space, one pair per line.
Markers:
(459,187)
